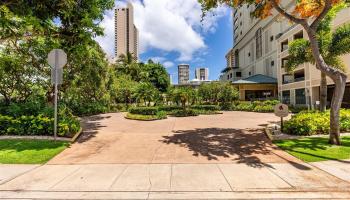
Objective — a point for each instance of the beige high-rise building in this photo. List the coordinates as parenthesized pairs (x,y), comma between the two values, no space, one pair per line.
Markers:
(126,33)
(302,86)
(256,62)
(202,74)
(183,74)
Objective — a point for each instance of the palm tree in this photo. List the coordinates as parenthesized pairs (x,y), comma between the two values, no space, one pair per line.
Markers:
(332,46)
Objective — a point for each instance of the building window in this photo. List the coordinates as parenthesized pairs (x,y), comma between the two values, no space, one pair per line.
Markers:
(299,35)
(272,63)
(286,97)
(284,62)
(249,54)
(299,75)
(271,38)
(284,45)
(230,75)
(250,73)
(258,41)
(238,74)
(300,98)
(236,59)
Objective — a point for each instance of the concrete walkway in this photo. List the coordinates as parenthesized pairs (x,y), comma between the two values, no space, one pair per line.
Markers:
(175,181)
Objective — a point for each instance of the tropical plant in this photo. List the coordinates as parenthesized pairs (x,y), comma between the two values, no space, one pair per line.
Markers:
(145,92)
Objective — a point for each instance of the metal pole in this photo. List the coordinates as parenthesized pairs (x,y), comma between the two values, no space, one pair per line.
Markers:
(281,124)
(56,99)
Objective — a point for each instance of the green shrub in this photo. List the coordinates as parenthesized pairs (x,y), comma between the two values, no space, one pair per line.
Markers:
(144,110)
(169,108)
(15,109)
(311,123)
(263,108)
(38,125)
(297,109)
(271,102)
(226,106)
(184,113)
(207,112)
(206,107)
(255,106)
(141,117)
(243,106)
(161,115)
(91,108)
(158,116)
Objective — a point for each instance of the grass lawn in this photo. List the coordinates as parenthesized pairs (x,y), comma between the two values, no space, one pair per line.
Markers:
(316,149)
(20,151)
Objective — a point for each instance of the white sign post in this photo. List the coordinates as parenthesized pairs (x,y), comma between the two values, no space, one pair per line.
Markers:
(57,58)
(281,110)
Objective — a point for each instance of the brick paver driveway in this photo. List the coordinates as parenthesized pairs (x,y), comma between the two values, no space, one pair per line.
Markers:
(232,137)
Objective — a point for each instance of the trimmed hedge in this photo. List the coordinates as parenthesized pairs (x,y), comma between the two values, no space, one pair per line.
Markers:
(158,116)
(255,106)
(184,113)
(311,123)
(206,107)
(167,108)
(144,110)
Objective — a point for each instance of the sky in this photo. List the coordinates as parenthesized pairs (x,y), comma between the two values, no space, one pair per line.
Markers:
(171,32)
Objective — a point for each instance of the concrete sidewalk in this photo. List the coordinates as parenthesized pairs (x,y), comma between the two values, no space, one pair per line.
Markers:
(175,181)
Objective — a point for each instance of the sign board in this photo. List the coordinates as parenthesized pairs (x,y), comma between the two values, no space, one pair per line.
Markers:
(281,110)
(57,58)
(59,72)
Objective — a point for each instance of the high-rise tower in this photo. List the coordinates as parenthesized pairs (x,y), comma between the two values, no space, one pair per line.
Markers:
(126,33)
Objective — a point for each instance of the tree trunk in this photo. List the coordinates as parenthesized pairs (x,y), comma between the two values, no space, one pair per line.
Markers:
(323,92)
(334,132)
(339,79)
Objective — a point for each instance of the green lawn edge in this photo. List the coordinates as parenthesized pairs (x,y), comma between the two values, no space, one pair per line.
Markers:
(314,149)
(29,151)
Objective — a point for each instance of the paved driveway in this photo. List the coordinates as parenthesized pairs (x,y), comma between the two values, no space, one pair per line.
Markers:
(232,137)
(207,157)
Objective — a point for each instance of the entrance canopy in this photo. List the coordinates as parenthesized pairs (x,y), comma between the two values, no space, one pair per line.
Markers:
(256,87)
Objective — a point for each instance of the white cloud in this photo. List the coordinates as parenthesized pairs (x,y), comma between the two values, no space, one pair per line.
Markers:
(158,59)
(168,64)
(167,25)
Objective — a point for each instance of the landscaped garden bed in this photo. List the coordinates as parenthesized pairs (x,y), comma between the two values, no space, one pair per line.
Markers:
(158,113)
(36,120)
(146,113)
(314,122)
(255,106)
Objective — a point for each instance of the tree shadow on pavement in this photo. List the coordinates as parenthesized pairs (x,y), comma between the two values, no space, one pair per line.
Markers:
(90,126)
(242,145)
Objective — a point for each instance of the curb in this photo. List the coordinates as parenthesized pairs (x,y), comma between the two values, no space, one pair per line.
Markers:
(75,137)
